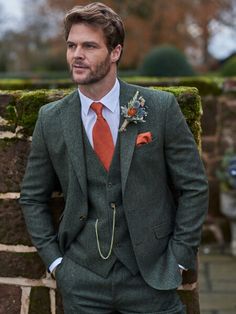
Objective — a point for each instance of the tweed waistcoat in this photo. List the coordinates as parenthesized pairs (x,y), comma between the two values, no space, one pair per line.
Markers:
(103,189)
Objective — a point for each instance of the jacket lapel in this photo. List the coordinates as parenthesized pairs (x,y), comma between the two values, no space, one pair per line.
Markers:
(128,137)
(72,129)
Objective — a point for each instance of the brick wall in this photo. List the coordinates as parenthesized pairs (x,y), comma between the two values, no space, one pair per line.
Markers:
(218,134)
(25,286)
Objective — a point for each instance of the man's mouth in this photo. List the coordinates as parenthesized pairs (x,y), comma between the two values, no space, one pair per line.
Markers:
(79,66)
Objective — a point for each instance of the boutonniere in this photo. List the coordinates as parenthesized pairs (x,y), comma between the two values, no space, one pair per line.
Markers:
(135,111)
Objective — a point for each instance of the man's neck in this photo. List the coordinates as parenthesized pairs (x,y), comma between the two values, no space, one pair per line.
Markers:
(99,89)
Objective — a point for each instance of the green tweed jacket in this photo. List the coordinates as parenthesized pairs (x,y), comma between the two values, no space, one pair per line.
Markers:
(164,187)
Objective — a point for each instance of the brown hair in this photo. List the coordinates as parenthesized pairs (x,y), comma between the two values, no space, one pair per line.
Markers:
(99,15)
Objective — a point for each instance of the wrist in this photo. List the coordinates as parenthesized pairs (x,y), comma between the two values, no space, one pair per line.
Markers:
(55,264)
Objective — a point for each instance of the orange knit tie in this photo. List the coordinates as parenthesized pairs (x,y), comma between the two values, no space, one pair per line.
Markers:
(102,138)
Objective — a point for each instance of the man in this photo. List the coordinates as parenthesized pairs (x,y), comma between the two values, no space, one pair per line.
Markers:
(125,235)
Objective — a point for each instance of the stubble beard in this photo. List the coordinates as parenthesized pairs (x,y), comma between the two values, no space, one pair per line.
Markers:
(96,75)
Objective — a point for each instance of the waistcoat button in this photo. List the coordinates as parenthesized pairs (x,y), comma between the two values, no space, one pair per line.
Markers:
(82,217)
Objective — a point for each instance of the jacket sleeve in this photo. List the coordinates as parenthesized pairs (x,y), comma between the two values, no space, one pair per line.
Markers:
(37,186)
(189,180)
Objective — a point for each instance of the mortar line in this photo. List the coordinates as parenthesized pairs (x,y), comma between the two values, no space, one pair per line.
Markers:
(17,248)
(52,301)
(10,195)
(26,282)
(25,300)
(16,195)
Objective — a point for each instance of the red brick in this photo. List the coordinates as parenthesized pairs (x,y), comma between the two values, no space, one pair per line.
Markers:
(27,265)
(209,144)
(5,100)
(59,305)
(191,300)
(214,200)
(212,166)
(12,228)
(209,118)
(10,299)
(13,156)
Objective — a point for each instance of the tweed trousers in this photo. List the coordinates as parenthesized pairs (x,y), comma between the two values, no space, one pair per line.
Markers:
(84,292)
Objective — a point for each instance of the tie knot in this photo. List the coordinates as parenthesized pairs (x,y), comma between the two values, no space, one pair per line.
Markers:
(97,108)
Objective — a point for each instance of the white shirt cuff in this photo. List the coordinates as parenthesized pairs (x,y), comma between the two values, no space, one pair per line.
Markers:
(55,264)
(182,267)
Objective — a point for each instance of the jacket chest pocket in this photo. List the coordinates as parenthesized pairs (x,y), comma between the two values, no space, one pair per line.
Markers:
(152,146)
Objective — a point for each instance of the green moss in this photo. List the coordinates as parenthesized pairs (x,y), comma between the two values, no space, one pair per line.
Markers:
(28,106)
(24,106)
(7,142)
(39,301)
(190,104)
(10,113)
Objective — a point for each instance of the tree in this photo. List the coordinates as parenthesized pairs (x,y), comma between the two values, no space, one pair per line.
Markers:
(182,23)
(187,25)
(203,13)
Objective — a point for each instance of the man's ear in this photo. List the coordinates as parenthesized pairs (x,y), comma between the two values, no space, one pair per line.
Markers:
(116,53)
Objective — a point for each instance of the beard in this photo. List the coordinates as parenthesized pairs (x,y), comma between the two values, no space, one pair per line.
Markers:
(94,75)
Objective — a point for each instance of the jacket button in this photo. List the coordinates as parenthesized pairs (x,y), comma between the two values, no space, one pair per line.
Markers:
(109,185)
(82,217)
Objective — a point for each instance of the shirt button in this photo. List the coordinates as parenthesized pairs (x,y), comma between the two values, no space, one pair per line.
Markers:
(113,205)
(109,185)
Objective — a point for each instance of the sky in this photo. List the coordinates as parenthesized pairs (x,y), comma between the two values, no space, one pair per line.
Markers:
(12,8)
(221,45)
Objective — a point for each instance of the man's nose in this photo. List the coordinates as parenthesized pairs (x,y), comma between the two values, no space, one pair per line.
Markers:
(79,53)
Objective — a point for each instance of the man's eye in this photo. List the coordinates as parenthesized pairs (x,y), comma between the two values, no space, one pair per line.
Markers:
(70,45)
(90,46)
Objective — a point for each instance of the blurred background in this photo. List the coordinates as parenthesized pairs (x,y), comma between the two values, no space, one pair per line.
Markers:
(202,31)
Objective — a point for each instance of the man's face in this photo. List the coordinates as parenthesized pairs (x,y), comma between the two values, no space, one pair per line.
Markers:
(87,55)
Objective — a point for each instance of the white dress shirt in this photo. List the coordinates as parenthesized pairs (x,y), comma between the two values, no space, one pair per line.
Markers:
(111,112)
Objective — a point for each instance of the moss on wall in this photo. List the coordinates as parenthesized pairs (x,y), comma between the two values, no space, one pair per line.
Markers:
(190,104)
(7,142)
(23,107)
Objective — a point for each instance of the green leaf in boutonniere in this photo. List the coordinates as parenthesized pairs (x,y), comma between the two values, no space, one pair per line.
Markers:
(135,111)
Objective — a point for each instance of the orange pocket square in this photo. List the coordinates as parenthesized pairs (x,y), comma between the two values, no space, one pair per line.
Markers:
(143,138)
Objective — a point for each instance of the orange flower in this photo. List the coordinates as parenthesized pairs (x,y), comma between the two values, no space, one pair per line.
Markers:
(132,112)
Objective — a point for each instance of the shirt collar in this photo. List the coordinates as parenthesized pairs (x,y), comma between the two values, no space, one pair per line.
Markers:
(110,100)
